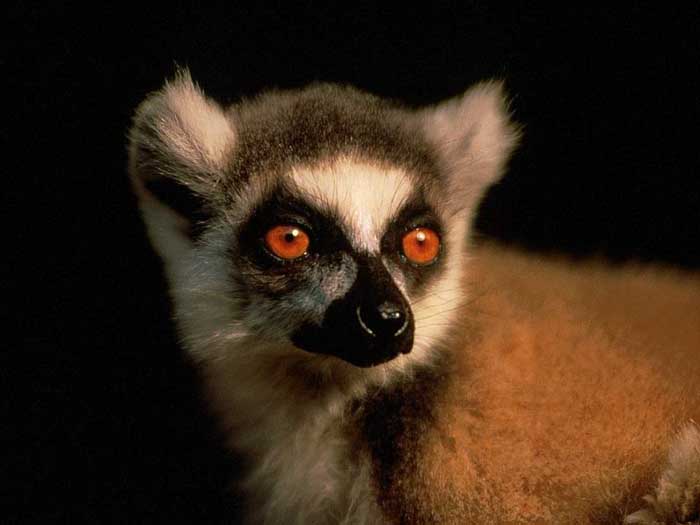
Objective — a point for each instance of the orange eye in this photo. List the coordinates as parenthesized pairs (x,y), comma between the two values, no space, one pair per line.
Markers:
(287,241)
(421,245)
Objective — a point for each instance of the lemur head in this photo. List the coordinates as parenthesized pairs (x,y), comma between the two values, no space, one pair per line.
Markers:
(324,227)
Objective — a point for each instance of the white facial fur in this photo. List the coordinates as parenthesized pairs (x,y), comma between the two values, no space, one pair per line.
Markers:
(364,195)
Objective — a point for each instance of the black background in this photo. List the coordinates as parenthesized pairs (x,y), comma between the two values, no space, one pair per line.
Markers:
(103,415)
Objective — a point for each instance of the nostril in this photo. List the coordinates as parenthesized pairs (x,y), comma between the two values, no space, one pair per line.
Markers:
(389,311)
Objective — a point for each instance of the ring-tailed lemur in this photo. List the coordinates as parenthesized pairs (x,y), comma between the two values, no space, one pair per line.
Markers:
(372,364)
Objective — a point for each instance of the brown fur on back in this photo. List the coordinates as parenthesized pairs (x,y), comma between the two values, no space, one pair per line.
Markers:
(572,383)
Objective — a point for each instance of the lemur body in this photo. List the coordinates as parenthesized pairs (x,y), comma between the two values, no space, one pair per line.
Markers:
(373,365)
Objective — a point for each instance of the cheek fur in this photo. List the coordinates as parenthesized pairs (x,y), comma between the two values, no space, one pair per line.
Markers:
(438,306)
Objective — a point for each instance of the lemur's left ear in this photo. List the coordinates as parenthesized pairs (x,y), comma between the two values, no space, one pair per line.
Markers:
(475,138)
(179,147)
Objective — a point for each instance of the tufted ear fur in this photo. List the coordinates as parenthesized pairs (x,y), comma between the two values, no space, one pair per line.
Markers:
(475,138)
(179,146)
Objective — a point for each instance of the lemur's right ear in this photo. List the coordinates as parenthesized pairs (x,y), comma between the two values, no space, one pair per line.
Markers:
(179,145)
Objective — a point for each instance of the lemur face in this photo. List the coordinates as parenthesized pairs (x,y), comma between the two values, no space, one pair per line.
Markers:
(319,224)
(340,251)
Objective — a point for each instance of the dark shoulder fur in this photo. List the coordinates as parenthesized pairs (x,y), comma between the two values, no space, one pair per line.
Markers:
(395,425)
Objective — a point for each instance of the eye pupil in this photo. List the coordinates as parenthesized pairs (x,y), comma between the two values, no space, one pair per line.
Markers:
(291,235)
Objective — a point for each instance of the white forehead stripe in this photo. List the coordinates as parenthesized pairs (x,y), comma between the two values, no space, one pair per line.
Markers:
(365,196)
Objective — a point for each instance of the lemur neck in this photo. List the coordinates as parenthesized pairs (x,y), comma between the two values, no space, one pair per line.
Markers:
(296,392)
(356,437)
(271,391)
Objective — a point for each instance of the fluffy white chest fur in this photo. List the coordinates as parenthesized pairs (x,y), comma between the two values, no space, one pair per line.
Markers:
(305,467)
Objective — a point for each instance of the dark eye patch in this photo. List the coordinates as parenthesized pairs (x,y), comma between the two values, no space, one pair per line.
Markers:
(415,213)
(281,207)
(272,276)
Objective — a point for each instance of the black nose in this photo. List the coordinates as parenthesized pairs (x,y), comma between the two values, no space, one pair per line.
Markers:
(384,321)
(370,325)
